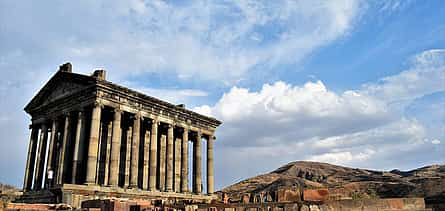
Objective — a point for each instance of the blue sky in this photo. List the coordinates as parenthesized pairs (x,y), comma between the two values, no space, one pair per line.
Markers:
(350,82)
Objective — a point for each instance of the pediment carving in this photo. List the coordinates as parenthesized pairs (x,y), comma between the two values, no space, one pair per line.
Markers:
(55,90)
(61,90)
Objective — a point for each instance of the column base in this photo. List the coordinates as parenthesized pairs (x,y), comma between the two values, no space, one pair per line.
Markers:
(90,184)
(133,187)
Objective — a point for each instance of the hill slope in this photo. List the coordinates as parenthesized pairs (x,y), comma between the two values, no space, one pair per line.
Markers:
(426,182)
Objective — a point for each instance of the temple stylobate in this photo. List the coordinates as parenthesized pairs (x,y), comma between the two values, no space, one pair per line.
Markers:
(89,135)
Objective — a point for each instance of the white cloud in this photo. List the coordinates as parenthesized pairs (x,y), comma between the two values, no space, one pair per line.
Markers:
(364,128)
(212,40)
(435,141)
(403,130)
(426,76)
(342,158)
(291,113)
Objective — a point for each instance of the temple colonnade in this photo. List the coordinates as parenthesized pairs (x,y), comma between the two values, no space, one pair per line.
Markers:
(106,146)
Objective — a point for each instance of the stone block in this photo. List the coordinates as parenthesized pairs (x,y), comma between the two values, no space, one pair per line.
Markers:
(277,209)
(19,206)
(415,203)
(323,207)
(287,195)
(314,208)
(339,194)
(239,209)
(316,195)
(376,204)
(225,198)
(245,198)
(395,203)
(304,208)
(291,207)
(265,208)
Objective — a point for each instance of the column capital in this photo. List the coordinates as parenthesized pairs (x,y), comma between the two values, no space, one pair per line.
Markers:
(98,103)
(154,121)
(117,110)
(81,113)
(212,137)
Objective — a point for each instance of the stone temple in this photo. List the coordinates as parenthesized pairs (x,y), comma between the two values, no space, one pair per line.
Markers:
(93,139)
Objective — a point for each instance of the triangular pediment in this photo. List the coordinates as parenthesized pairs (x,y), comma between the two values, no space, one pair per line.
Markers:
(61,85)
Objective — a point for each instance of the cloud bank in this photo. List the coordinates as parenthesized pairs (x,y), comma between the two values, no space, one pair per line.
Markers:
(364,128)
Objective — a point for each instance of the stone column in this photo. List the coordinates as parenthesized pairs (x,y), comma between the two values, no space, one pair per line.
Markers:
(29,170)
(77,146)
(128,157)
(197,170)
(93,144)
(41,157)
(145,174)
(185,161)
(153,155)
(50,159)
(210,169)
(177,180)
(115,149)
(135,151)
(162,162)
(100,152)
(108,153)
(60,172)
(169,170)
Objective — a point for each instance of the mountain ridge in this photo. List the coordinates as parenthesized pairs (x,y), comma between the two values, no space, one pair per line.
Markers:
(427,181)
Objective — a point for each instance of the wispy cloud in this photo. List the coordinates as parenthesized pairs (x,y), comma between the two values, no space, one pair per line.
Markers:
(426,76)
(219,41)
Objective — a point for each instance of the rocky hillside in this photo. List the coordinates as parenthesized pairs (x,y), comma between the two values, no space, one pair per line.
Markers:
(426,182)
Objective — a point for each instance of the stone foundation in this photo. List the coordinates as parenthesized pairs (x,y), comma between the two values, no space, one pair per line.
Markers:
(75,195)
(114,204)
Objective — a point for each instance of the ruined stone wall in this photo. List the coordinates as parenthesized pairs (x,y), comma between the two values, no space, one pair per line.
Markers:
(405,204)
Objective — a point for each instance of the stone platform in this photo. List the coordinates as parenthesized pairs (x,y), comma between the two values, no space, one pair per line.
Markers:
(74,195)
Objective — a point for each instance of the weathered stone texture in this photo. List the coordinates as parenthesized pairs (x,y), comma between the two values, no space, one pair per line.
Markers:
(315,195)
(286,195)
